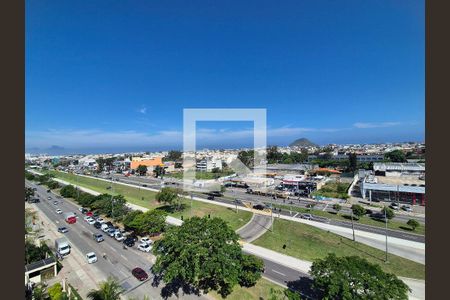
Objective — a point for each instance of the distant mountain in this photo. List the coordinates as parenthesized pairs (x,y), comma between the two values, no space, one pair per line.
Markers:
(303,142)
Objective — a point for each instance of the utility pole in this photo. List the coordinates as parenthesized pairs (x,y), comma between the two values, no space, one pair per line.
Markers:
(191,203)
(271,215)
(353,228)
(386,228)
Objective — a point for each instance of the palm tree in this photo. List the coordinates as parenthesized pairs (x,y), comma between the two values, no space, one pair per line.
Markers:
(109,290)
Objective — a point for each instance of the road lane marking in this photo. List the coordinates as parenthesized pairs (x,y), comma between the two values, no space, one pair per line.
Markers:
(275,271)
(112,248)
(124,257)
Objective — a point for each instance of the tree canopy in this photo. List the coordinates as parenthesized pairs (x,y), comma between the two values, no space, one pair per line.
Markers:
(109,290)
(352,277)
(396,156)
(168,196)
(142,170)
(204,254)
(358,210)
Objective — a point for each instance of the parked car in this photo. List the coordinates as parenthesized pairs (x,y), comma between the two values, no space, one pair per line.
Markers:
(49,198)
(210,197)
(146,240)
(91,221)
(48,191)
(97,225)
(98,237)
(59,211)
(407,208)
(100,220)
(104,227)
(144,247)
(306,216)
(119,236)
(91,257)
(63,229)
(129,241)
(140,274)
(395,206)
(55,202)
(89,213)
(87,218)
(111,232)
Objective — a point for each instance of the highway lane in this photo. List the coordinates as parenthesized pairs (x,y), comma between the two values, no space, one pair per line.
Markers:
(242,196)
(257,226)
(119,261)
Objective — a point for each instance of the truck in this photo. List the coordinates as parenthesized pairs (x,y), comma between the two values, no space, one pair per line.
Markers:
(70,218)
(62,246)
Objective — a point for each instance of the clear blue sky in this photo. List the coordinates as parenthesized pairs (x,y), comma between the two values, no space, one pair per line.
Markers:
(117,74)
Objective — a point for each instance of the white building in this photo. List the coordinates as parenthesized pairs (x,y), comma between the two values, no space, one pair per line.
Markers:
(207,165)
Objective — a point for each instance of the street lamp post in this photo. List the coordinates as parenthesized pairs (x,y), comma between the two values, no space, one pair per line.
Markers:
(353,228)
(386,228)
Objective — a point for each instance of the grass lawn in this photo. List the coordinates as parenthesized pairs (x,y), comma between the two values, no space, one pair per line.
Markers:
(333,190)
(260,291)
(134,195)
(396,225)
(310,243)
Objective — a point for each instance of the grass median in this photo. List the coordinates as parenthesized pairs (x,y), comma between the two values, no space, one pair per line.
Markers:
(261,290)
(365,220)
(134,195)
(309,243)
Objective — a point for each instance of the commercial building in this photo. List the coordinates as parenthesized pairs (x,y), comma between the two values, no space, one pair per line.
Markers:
(150,163)
(207,165)
(395,182)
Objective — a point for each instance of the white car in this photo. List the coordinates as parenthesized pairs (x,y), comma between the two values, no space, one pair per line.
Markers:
(91,221)
(119,237)
(145,247)
(100,220)
(146,240)
(87,219)
(58,211)
(91,257)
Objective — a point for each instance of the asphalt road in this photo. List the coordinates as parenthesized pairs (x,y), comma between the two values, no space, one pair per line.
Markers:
(120,262)
(243,196)
(257,226)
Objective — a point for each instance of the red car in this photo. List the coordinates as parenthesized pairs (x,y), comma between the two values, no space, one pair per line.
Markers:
(89,214)
(140,274)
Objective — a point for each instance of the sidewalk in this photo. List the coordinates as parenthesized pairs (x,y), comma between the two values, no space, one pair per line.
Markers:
(74,265)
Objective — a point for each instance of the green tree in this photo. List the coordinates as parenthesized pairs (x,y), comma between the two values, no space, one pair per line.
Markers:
(173,155)
(39,292)
(396,156)
(109,290)
(142,170)
(252,268)
(413,224)
(68,191)
(203,253)
(337,207)
(358,210)
(152,221)
(128,220)
(55,292)
(29,193)
(159,171)
(52,184)
(389,212)
(353,162)
(352,277)
(168,196)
